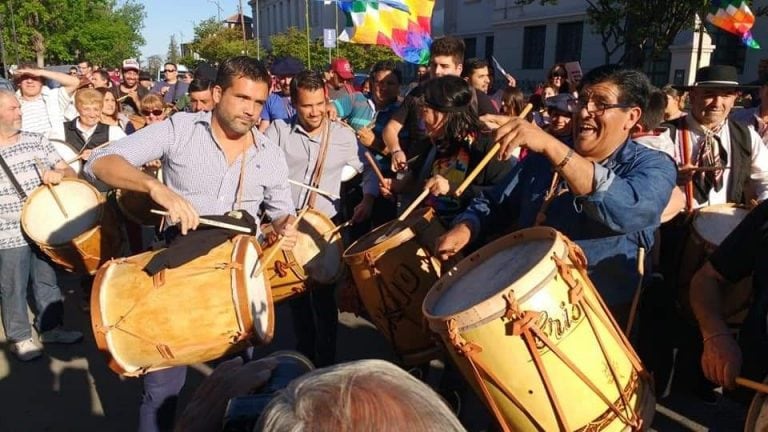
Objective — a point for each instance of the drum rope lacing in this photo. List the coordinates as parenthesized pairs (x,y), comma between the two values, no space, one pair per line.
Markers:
(157,281)
(523,324)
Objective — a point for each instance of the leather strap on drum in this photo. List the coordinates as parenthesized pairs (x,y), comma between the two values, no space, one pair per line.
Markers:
(541,216)
(241,180)
(319,164)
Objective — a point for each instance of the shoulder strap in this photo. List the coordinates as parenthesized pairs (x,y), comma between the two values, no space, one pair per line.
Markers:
(320,164)
(12,178)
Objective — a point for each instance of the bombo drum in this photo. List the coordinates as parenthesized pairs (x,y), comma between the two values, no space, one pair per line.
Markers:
(757,417)
(211,306)
(530,333)
(393,267)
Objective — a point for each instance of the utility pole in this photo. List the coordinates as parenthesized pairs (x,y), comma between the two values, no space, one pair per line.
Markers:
(258,33)
(242,27)
(218,8)
(13,32)
(306,17)
(2,50)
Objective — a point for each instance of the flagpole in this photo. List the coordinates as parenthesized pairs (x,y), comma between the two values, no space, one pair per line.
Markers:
(306,17)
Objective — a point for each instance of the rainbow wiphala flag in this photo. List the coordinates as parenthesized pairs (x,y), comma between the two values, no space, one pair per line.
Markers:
(734,16)
(403,25)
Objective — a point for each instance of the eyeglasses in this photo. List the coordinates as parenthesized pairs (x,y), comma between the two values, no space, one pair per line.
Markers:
(595,107)
(156,113)
(170,70)
(73,73)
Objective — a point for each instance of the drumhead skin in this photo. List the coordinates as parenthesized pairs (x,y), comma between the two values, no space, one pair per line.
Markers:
(714,223)
(320,257)
(260,304)
(68,154)
(43,221)
(757,417)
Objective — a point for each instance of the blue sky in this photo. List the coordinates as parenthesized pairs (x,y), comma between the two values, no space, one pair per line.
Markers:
(179,17)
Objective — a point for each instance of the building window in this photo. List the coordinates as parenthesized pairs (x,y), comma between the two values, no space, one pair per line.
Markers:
(534,38)
(488,47)
(729,49)
(470,48)
(569,37)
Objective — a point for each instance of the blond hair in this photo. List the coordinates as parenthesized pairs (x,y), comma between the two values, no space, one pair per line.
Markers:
(88,96)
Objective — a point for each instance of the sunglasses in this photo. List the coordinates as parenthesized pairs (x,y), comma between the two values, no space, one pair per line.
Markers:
(156,113)
(170,70)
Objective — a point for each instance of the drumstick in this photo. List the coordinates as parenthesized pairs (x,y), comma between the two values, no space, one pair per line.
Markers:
(375,167)
(41,169)
(754,385)
(491,153)
(704,169)
(276,247)
(80,155)
(638,290)
(314,189)
(333,231)
(210,222)
(405,214)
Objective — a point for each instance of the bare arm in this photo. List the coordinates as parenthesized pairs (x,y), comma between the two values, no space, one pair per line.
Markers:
(69,82)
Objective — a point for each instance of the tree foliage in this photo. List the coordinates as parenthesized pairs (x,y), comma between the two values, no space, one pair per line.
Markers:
(154,64)
(95,30)
(293,42)
(173,51)
(214,42)
(640,29)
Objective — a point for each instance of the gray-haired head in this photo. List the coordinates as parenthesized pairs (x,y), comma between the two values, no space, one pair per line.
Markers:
(363,395)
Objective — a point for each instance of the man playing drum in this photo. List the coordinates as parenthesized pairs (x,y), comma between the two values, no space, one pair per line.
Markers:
(741,254)
(202,156)
(19,262)
(307,149)
(606,193)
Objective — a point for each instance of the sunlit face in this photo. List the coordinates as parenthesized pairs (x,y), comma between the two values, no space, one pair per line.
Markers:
(598,134)
(310,108)
(559,122)
(110,104)
(434,121)
(84,69)
(480,79)
(153,114)
(130,78)
(10,114)
(548,92)
(711,107)
(201,101)
(238,108)
(171,73)
(98,81)
(89,113)
(386,87)
(444,65)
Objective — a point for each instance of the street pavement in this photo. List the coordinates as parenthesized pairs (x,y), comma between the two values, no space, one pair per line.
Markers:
(71,388)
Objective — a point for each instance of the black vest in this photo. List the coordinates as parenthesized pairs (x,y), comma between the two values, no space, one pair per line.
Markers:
(740,157)
(75,139)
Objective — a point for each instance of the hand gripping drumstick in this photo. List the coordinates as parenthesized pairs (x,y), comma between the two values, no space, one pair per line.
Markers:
(314,189)
(41,168)
(210,222)
(754,385)
(276,247)
(491,153)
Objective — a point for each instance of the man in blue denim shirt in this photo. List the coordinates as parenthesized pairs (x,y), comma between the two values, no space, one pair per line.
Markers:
(611,193)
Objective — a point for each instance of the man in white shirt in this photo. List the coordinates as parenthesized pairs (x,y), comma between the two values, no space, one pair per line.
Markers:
(42,108)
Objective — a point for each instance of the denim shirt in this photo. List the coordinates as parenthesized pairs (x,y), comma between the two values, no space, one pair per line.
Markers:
(631,189)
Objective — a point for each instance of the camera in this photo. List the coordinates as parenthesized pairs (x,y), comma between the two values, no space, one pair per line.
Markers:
(243,412)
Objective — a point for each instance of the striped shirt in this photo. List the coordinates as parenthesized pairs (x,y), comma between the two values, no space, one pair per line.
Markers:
(301,152)
(20,158)
(46,113)
(195,167)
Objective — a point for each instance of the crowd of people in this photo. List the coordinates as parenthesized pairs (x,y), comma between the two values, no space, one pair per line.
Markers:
(617,165)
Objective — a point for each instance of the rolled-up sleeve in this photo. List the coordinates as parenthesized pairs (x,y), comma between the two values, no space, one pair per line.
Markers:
(147,144)
(634,201)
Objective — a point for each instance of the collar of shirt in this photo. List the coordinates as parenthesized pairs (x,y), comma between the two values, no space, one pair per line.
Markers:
(296,127)
(696,127)
(620,156)
(85,131)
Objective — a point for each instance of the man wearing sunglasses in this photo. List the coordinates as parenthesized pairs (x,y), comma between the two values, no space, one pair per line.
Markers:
(608,194)
(171,88)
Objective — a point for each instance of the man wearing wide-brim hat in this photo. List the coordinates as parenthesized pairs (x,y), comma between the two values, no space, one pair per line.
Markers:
(720,160)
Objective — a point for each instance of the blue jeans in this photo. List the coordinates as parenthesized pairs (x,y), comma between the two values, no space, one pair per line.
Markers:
(158,402)
(20,267)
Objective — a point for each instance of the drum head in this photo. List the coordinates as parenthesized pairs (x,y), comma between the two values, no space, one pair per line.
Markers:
(491,275)
(391,233)
(45,223)
(320,257)
(714,223)
(257,289)
(68,154)
(757,417)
